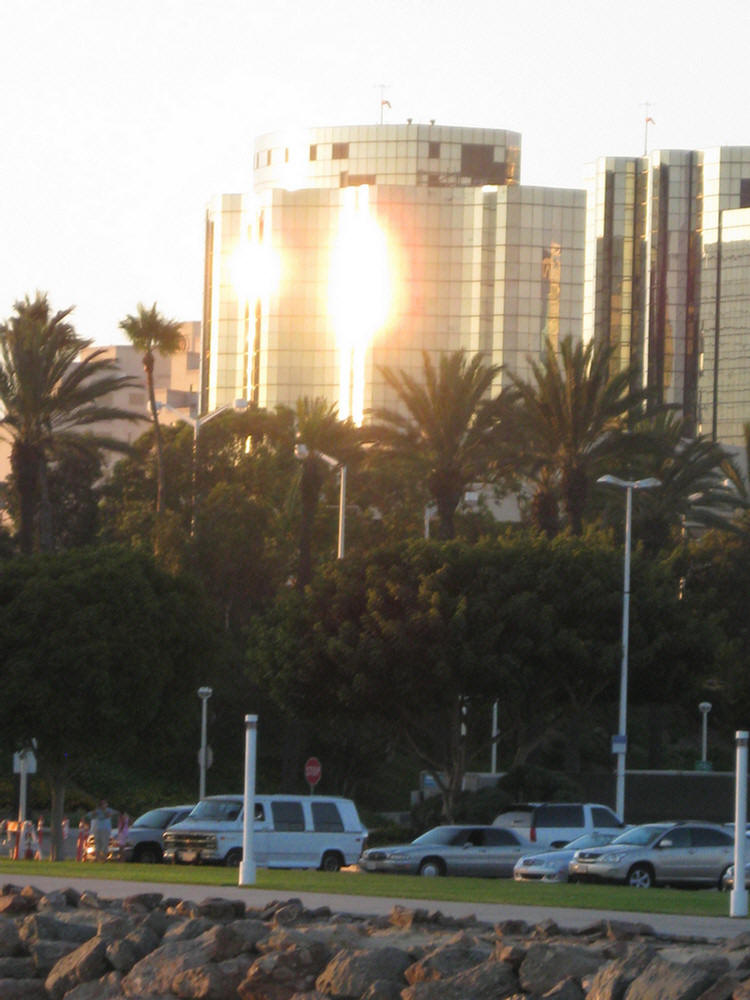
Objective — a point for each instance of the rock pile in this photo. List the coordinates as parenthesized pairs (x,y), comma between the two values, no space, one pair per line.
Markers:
(78,946)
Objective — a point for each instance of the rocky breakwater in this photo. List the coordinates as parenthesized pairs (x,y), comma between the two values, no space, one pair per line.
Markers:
(69,945)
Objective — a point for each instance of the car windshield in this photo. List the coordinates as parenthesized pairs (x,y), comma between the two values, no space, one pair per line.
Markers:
(441,835)
(588,840)
(154,819)
(640,836)
(217,809)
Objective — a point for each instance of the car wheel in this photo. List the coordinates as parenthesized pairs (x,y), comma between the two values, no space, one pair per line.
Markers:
(147,854)
(723,887)
(432,867)
(641,876)
(233,858)
(331,861)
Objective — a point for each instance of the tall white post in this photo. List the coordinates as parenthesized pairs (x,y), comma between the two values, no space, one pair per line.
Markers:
(623,719)
(247,865)
(738,895)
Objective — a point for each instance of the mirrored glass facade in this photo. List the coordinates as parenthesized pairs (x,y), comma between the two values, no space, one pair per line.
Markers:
(474,260)
(651,222)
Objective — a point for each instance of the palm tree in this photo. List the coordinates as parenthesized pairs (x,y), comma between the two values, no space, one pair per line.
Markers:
(319,432)
(568,420)
(699,484)
(445,433)
(148,331)
(49,392)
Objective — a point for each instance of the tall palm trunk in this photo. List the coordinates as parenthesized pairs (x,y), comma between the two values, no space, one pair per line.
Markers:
(25,461)
(148,367)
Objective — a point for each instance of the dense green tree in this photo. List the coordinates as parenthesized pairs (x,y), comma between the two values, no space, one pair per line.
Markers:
(444,433)
(150,332)
(423,638)
(101,654)
(567,424)
(50,394)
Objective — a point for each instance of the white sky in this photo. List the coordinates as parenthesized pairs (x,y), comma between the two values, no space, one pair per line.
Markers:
(119,119)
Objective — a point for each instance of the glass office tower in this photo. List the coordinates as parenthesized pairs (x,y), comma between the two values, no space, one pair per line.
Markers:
(366,246)
(651,224)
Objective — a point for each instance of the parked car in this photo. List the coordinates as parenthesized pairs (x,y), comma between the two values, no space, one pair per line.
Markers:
(554,824)
(451,850)
(290,831)
(659,853)
(143,844)
(552,866)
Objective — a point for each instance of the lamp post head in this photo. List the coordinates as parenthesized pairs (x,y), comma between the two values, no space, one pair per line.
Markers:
(204,693)
(633,484)
(704,707)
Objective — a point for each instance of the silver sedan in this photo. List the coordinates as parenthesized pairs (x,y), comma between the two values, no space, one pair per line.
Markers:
(450,850)
(552,866)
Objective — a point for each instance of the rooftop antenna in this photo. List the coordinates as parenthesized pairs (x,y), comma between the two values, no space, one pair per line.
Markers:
(648,121)
(384,103)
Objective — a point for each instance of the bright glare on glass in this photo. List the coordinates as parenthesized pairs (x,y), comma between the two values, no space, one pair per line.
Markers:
(254,270)
(359,294)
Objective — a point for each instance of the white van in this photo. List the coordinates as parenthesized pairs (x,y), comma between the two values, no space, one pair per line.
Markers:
(291,831)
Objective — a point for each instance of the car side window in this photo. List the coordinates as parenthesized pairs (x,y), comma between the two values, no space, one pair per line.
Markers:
(559,816)
(288,816)
(679,837)
(326,817)
(705,837)
(500,838)
(260,813)
(604,817)
(475,838)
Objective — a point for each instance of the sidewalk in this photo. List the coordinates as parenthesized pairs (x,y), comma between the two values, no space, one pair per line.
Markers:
(707,927)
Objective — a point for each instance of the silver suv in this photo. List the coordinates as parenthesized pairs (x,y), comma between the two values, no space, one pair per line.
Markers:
(554,824)
(659,853)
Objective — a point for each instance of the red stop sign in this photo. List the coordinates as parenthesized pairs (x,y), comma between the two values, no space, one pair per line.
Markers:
(313,770)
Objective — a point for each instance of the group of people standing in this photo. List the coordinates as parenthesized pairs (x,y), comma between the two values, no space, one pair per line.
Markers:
(101,828)
(25,841)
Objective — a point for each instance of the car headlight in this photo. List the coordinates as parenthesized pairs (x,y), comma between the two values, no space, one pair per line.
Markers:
(613,858)
(396,856)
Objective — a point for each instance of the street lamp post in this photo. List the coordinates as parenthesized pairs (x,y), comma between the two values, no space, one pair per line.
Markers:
(619,742)
(196,423)
(704,708)
(301,451)
(204,693)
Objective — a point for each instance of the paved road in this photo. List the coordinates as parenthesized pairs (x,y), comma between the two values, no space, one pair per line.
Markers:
(708,927)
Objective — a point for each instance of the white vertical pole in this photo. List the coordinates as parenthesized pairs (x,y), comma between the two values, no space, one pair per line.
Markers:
(738,895)
(204,727)
(247,865)
(494,737)
(623,721)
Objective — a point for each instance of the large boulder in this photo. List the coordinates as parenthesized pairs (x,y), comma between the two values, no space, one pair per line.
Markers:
(88,961)
(348,975)
(488,981)
(663,980)
(545,965)
(461,952)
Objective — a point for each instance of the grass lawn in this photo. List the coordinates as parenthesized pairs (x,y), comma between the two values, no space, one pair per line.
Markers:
(695,902)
